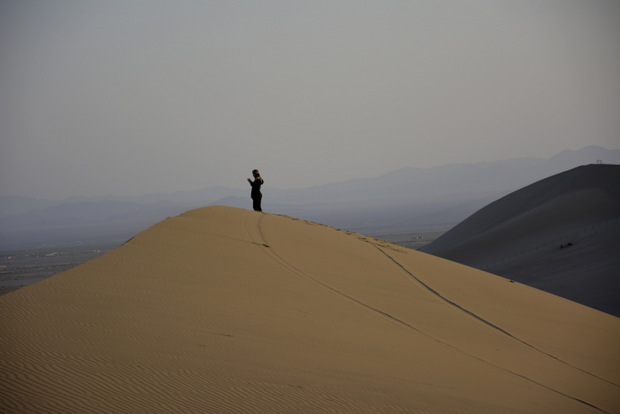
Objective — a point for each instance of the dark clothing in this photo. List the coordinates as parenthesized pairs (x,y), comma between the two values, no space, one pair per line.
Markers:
(256,186)
(256,202)
(256,194)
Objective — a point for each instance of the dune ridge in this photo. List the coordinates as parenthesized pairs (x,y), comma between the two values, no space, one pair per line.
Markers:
(227,310)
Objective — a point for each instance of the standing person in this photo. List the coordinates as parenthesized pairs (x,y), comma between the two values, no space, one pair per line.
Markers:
(256,194)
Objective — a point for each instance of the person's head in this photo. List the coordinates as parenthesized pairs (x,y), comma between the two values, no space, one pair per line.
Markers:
(255,173)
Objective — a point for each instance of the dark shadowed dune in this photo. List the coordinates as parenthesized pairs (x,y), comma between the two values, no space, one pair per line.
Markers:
(560,234)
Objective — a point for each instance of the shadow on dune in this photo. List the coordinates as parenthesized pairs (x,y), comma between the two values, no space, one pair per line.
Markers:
(559,234)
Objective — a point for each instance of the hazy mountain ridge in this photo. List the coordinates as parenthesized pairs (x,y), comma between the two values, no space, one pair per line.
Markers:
(13,205)
(404,200)
(413,199)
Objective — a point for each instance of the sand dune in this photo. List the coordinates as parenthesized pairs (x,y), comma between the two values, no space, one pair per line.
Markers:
(524,236)
(223,310)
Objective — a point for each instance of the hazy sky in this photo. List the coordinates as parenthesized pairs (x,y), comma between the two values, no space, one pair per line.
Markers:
(131,97)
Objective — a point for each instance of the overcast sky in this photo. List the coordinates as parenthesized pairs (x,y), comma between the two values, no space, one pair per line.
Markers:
(132,97)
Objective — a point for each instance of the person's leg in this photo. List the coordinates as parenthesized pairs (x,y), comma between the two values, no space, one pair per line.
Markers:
(257,206)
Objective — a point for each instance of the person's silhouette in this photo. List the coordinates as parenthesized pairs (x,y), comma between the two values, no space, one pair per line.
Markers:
(256,194)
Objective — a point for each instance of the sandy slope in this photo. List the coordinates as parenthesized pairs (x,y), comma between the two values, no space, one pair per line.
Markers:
(227,310)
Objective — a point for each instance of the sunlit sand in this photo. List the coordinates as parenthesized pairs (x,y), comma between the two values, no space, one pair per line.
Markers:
(224,310)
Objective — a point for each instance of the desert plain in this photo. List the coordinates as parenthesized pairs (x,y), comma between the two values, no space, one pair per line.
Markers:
(225,310)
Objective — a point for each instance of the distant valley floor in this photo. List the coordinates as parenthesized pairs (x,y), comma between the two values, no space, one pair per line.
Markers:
(20,268)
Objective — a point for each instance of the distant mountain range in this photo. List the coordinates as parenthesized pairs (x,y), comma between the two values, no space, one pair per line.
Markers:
(560,234)
(402,201)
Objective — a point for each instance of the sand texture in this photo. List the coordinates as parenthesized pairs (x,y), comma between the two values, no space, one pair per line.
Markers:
(224,310)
